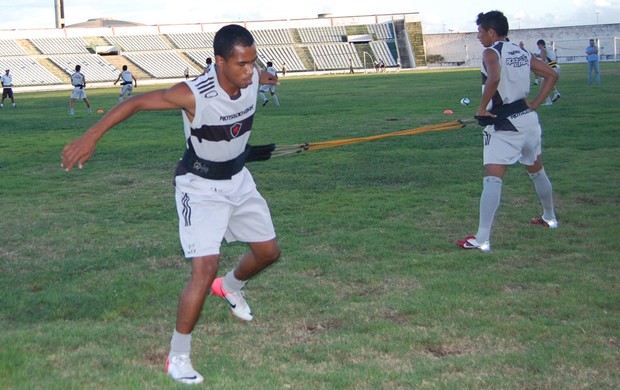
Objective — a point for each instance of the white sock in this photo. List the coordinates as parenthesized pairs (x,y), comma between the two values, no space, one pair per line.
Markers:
(544,190)
(181,344)
(489,202)
(232,284)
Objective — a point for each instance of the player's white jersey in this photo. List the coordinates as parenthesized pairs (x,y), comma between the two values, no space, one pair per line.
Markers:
(7,81)
(127,77)
(514,82)
(77,79)
(222,124)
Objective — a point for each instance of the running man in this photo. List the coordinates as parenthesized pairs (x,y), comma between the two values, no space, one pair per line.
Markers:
(127,84)
(512,133)
(79,83)
(269,88)
(216,195)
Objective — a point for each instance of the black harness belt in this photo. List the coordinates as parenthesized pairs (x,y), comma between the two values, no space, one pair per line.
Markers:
(503,112)
(214,170)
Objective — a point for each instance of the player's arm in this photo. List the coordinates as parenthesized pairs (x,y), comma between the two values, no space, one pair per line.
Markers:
(135,82)
(81,149)
(266,77)
(117,79)
(550,77)
(491,64)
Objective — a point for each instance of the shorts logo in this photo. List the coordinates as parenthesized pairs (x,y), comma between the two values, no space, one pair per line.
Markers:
(487,138)
(235,129)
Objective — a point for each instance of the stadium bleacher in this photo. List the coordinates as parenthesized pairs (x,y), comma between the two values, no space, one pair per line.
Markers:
(94,67)
(169,54)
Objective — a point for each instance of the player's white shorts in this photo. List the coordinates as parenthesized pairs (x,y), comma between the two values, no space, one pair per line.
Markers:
(207,217)
(127,89)
(508,147)
(267,88)
(78,94)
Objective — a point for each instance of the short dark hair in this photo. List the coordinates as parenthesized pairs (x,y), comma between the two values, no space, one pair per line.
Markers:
(269,63)
(541,42)
(493,20)
(209,60)
(77,68)
(230,36)
(124,67)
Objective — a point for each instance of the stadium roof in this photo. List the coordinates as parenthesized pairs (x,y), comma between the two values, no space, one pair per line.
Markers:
(105,22)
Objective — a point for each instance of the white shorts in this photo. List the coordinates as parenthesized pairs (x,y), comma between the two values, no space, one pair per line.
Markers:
(207,217)
(508,147)
(267,88)
(78,94)
(127,89)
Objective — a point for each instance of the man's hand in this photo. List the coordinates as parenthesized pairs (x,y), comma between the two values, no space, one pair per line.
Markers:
(79,151)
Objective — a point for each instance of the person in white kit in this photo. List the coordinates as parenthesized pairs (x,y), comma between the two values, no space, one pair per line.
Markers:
(269,88)
(550,58)
(512,131)
(79,83)
(127,84)
(7,87)
(215,194)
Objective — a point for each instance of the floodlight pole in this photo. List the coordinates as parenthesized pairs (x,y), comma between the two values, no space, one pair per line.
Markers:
(59,7)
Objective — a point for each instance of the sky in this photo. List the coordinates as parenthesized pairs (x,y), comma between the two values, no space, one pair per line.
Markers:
(438,16)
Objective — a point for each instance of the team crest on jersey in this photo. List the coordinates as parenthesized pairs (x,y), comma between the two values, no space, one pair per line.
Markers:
(235,129)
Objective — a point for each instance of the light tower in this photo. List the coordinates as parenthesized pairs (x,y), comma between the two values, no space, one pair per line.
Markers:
(59,6)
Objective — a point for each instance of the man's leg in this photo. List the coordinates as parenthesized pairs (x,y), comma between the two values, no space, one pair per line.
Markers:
(260,256)
(178,365)
(544,190)
(489,199)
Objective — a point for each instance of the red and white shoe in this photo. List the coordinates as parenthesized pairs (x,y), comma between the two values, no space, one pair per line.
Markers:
(470,243)
(236,300)
(180,369)
(551,224)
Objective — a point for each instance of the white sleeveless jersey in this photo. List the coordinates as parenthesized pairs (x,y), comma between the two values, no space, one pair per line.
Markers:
(77,79)
(514,81)
(126,76)
(222,124)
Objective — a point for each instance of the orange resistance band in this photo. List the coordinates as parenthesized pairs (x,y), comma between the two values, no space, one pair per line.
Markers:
(289,149)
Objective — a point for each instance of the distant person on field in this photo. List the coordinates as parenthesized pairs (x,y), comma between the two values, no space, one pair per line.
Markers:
(512,131)
(209,62)
(79,83)
(269,88)
(550,58)
(186,72)
(216,196)
(7,88)
(593,65)
(283,69)
(351,71)
(128,81)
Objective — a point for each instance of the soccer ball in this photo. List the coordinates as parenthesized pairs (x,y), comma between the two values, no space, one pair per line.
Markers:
(465,102)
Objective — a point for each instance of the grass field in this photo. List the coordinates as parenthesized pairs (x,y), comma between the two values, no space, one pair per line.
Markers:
(370,292)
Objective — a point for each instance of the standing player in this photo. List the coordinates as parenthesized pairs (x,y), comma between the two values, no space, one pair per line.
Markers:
(216,196)
(79,83)
(7,88)
(127,84)
(549,57)
(269,88)
(513,132)
(209,63)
